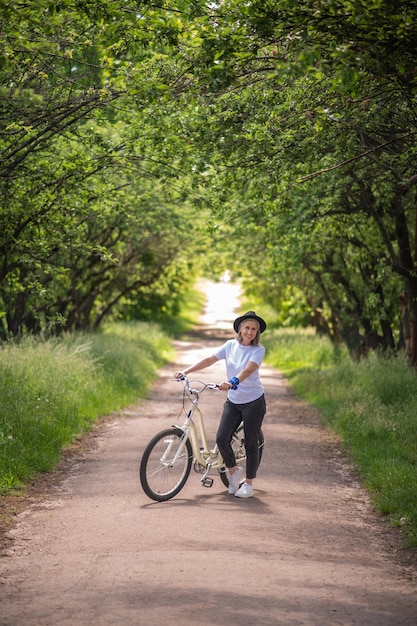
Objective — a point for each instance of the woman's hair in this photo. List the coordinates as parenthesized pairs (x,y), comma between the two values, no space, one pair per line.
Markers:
(255,340)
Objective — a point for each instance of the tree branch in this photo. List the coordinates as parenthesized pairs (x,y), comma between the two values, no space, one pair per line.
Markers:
(352,159)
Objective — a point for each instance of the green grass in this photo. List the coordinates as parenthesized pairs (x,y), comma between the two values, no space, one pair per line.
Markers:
(52,391)
(372,405)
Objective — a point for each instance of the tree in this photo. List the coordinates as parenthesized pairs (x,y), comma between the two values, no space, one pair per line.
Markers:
(83,227)
(288,127)
(349,111)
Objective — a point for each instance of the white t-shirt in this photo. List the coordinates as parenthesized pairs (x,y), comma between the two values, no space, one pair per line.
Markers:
(237,357)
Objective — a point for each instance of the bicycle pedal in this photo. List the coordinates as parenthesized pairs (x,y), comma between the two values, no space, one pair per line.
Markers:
(207,482)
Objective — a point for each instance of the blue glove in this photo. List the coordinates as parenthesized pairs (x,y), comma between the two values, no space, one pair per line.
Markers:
(234,382)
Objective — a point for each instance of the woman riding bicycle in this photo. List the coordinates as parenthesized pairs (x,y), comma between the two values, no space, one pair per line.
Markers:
(245,399)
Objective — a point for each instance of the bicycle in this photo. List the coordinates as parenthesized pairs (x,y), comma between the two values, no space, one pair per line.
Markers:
(167,460)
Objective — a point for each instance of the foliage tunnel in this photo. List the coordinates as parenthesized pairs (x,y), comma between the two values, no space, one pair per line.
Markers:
(142,144)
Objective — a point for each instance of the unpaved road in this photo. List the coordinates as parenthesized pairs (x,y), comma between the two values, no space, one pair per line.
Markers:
(91,548)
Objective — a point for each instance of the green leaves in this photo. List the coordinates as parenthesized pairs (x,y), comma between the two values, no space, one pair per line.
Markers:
(83,228)
(313,93)
(279,132)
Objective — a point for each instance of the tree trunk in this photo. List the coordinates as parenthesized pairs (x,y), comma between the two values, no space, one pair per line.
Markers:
(413,301)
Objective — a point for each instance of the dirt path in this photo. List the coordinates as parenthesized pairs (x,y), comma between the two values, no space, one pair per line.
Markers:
(306,550)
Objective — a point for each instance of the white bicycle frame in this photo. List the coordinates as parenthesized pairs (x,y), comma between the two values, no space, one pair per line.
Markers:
(208,459)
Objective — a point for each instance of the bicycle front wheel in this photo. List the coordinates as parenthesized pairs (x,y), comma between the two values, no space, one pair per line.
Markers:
(165,464)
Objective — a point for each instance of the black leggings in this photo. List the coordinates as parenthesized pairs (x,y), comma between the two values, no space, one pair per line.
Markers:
(252,414)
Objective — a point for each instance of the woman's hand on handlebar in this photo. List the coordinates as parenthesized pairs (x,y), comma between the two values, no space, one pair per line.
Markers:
(179,375)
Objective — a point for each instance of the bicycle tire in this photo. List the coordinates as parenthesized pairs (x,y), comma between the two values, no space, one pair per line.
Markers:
(238,445)
(159,479)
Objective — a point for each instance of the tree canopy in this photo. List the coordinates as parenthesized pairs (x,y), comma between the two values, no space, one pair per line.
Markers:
(142,141)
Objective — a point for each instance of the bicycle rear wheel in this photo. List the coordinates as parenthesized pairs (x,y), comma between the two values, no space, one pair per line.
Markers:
(238,446)
(162,478)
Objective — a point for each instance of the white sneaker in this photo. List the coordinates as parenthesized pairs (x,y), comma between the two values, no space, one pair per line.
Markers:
(234,480)
(245,491)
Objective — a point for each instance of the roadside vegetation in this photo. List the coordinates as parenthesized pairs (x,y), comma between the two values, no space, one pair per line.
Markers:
(52,391)
(371,404)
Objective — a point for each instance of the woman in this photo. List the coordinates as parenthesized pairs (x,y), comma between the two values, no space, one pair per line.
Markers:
(245,399)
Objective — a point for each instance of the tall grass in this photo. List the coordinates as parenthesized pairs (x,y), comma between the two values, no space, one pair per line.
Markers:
(52,391)
(372,405)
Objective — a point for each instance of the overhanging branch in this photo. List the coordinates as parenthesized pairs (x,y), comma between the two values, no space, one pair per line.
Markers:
(352,159)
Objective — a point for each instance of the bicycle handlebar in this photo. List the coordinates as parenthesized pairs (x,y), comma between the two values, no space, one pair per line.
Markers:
(186,382)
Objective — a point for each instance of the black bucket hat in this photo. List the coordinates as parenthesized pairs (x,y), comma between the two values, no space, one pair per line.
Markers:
(250,315)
